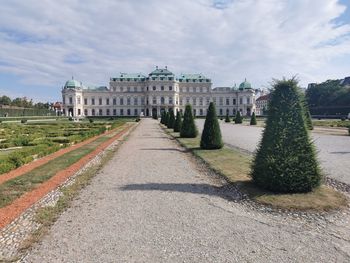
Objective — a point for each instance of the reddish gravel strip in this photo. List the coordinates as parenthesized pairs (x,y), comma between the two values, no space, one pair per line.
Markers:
(34,164)
(12,211)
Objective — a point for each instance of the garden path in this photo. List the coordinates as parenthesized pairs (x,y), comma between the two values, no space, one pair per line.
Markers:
(154,203)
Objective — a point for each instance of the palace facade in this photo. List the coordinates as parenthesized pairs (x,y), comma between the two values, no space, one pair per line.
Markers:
(140,95)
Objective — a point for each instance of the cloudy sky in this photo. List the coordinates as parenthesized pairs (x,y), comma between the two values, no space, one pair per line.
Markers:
(45,42)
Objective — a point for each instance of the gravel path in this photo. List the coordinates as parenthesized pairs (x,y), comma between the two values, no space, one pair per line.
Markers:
(153,203)
(333,150)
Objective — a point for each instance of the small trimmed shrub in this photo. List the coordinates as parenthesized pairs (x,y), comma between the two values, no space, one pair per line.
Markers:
(211,135)
(227,119)
(24,121)
(171,121)
(91,120)
(178,122)
(162,116)
(253,119)
(188,129)
(154,115)
(286,158)
(137,119)
(166,118)
(238,118)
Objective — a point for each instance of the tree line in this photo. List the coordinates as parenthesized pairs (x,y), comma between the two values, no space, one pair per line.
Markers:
(23,102)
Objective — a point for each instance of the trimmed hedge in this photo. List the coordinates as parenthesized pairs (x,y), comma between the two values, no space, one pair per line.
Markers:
(188,129)
(211,135)
(253,119)
(178,122)
(238,118)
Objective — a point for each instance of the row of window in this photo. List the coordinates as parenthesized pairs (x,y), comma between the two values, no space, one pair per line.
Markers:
(158,88)
(163,100)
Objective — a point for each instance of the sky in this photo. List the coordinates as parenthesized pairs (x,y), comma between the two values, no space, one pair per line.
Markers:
(43,43)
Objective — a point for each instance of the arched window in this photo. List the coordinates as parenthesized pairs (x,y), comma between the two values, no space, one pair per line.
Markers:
(162,100)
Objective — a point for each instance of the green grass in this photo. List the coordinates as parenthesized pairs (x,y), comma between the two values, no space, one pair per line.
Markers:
(331,123)
(12,189)
(235,167)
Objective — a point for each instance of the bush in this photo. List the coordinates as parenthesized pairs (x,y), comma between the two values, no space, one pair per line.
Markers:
(91,120)
(24,121)
(162,115)
(188,129)
(171,121)
(178,122)
(137,119)
(16,159)
(211,135)
(286,159)
(227,119)
(6,166)
(166,118)
(253,119)
(238,118)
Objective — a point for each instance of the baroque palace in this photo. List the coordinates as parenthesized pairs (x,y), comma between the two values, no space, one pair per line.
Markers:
(140,95)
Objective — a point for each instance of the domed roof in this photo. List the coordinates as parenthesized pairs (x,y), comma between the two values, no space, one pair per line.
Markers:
(72,84)
(245,85)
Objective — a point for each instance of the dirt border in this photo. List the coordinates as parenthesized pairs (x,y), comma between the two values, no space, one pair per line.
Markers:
(34,164)
(12,211)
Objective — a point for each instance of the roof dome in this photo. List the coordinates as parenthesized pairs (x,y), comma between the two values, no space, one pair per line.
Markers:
(245,85)
(72,84)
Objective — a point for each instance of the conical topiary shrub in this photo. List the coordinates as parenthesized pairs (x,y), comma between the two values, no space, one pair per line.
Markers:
(166,118)
(162,117)
(178,122)
(188,129)
(211,135)
(227,119)
(171,121)
(286,160)
(238,118)
(253,119)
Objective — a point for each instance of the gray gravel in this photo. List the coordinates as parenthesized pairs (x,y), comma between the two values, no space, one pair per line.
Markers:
(333,150)
(153,203)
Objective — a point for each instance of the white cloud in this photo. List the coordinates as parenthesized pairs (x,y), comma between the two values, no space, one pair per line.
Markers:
(46,42)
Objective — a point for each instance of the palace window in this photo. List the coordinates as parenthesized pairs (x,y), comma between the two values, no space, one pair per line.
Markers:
(135,112)
(128,101)
(128,88)
(114,101)
(135,89)
(100,113)
(107,101)
(214,100)
(234,101)
(64,99)
(85,112)
(121,101)
(121,112)
(135,101)
(170,100)
(70,100)
(85,101)
(154,88)
(93,112)
(221,101)
(201,102)
(114,112)
(201,112)
(162,100)
(107,112)
(161,87)
(227,101)
(180,101)
(92,101)
(79,100)
(170,88)
(194,101)
(221,112)
(194,112)
(100,101)
(187,100)
(240,101)
(248,100)
(142,101)
(128,112)
(154,100)
(208,100)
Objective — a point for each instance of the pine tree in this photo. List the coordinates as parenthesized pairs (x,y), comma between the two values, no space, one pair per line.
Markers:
(188,129)
(238,118)
(211,135)
(171,121)
(166,118)
(227,119)
(286,159)
(253,119)
(178,122)
(162,117)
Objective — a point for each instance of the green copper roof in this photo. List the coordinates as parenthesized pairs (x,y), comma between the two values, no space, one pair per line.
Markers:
(192,76)
(161,71)
(73,84)
(245,85)
(96,88)
(131,75)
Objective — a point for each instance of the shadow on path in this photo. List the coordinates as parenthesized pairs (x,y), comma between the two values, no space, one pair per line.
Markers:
(225,191)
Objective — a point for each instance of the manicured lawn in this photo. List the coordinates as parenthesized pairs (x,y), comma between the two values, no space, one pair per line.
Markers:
(12,189)
(235,167)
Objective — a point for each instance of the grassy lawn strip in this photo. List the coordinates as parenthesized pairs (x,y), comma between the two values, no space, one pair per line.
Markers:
(46,216)
(12,189)
(235,167)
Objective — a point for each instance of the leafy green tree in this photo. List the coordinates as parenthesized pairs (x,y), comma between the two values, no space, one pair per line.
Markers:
(178,122)
(211,135)
(5,100)
(286,159)
(171,121)
(227,119)
(238,118)
(253,119)
(188,129)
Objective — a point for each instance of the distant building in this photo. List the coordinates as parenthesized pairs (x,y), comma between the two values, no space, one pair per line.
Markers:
(135,94)
(57,107)
(261,104)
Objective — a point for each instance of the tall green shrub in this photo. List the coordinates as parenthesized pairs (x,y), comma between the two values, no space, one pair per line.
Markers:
(154,115)
(188,129)
(286,159)
(238,118)
(162,117)
(166,118)
(171,121)
(227,119)
(178,122)
(253,119)
(211,135)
